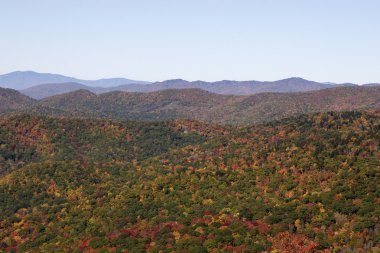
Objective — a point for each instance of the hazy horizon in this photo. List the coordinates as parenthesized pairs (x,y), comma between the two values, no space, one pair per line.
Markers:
(209,40)
(195,80)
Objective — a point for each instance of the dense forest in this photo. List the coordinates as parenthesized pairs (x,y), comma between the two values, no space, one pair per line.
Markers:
(304,184)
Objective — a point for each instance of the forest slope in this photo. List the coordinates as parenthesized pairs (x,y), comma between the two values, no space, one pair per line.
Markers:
(193,104)
(305,184)
(11,100)
(200,105)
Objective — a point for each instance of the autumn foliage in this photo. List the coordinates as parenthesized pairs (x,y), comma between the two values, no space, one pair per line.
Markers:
(304,184)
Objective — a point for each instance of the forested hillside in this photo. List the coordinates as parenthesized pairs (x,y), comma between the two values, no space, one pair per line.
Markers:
(196,104)
(27,139)
(304,184)
(201,105)
(12,100)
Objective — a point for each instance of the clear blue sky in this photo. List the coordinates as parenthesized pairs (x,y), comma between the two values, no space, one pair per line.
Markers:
(322,40)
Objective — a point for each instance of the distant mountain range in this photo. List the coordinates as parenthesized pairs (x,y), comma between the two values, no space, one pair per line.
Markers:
(38,86)
(194,104)
(19,80)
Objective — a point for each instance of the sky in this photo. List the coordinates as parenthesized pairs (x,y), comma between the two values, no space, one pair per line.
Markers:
(154,40)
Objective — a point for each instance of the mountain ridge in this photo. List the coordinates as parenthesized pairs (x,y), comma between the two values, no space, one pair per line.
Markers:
(198,104)
(224,87)
(41,85)
(25,79)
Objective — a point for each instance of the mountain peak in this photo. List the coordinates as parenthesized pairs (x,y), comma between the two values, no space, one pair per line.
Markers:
(176,80)
(295,79)
(75,96)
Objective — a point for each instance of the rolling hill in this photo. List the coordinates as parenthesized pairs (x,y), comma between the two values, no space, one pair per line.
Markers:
(193,104)
(205,106)
(46,90)
(11,100)
(372,84)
